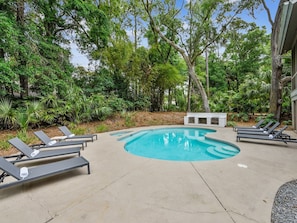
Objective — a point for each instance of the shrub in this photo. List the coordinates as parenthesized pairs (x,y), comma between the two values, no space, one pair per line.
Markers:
(102,128)
(231,124)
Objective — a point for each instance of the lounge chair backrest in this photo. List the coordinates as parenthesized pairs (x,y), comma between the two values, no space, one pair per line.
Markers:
(9,168)
(259,123)
(267,125)
(21,146)
(43,137)
(272,128)
(280,131)
(65,130)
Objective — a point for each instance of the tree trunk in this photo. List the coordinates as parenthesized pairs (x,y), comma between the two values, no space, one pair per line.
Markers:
(2,54)
(190,65)
(207,71)
(169,98)
(24,83)
(192,73)
(276,87)
(189,94)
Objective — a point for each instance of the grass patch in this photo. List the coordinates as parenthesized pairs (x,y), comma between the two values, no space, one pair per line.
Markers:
(4,144)
(231,123)
(102,128)
(128,117)
(78,131)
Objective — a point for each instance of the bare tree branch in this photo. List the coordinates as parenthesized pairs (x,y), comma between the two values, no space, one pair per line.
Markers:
(155,28)
(268,12)
(285,80)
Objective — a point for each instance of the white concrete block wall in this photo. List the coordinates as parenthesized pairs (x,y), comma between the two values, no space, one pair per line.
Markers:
(206,119)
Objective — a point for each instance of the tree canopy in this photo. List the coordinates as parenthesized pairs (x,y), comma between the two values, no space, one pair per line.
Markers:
(144,55)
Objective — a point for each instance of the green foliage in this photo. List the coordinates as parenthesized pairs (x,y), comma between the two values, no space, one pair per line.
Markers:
(75,129)
(98,107)
(8,48)
(245,52)
(78,131)
(222,101)
(217,75)
(4,145)
(269,117)
(117,104)
(241,81)
(94,34)
(102,128)
(255,93)
(104,112)
(196,104)
(126,76)
(238,117)
(231,124)
(244,117)
(25,137)
(180,100)
(7,114)
(287,122)
(140,102)
(7,77)
(30,115)
(167,76)
(97,82)
(128,116)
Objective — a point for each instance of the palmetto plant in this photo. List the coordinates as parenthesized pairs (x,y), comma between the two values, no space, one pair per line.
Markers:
(54,108)
(99,107)
(30,115)
(75,104)
(7,113)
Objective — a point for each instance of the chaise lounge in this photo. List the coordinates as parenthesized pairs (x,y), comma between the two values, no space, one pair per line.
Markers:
(70,135)
(257,126)
(278,136)
(264,128)
(33,154)
(24,174)
(48,142)
(260,132)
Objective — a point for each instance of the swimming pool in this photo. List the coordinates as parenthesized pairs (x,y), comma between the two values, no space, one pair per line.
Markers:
(178,144)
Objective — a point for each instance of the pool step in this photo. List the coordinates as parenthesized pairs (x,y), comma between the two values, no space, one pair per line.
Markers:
(231,149)
(227,150)
(120,133)
(131,137)
(222,152)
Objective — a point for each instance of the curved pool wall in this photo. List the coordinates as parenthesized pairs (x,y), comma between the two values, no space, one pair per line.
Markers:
(178,144)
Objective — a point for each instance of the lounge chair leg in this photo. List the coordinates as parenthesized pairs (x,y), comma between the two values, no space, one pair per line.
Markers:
(2,176)
(89,171)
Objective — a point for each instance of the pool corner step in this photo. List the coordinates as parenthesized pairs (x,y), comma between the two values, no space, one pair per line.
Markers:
(133,136)
(230,149)
(214,152)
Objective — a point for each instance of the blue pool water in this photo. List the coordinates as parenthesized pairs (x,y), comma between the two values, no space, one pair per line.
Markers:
(179,144)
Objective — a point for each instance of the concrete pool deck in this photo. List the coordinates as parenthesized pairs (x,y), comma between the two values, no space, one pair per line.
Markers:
(126,188)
